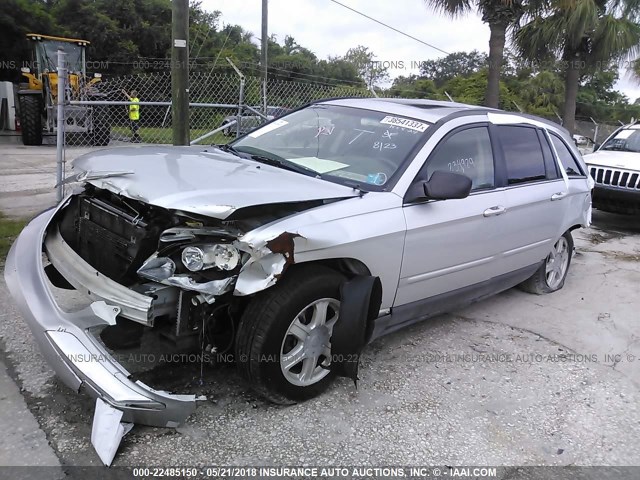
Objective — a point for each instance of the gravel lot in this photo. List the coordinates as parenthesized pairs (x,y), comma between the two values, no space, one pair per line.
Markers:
(514,380)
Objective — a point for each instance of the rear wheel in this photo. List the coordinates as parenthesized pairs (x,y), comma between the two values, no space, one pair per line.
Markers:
(31,119)
(283,346)
(552,273)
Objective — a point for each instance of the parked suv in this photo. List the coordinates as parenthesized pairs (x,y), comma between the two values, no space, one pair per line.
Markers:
(615,167)
(297,244)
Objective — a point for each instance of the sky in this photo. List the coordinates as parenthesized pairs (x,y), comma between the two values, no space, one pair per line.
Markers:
(328,29)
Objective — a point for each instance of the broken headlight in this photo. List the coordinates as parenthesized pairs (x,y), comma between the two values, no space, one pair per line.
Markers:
(201,257)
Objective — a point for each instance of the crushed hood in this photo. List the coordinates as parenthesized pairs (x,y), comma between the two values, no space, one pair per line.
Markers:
(614,159)
(201,180)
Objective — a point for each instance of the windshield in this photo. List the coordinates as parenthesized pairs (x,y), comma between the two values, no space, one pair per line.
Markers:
(49,53)
(626,140)
(341,144)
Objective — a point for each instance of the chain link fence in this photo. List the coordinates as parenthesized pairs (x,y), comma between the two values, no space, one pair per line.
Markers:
(221,107)
(228,103)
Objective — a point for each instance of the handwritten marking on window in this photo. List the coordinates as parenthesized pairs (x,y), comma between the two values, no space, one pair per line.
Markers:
(325,130)
(359,134)
(388,134)
(460,164)
(383,146)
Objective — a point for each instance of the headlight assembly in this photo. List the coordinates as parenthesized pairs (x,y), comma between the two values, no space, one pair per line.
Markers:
(202,257)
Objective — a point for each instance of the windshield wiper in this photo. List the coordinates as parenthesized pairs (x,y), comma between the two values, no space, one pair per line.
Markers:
(225,147)
(274,160)
(284,164)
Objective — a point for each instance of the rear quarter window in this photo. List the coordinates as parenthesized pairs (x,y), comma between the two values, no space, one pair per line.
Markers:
(569,162)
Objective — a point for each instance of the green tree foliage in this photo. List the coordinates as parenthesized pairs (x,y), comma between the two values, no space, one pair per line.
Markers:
(17,18)
(500,15)
(453,65)
(535,90)
(586,35)
(369,69)
(134,36)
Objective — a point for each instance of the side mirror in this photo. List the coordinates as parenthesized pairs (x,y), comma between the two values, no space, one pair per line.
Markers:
(447,186)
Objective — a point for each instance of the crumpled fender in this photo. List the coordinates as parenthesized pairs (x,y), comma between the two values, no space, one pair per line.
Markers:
(360,300)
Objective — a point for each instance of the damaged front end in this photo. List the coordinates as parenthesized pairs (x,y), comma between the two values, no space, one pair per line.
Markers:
(67,340)
(137,263)
(184,275)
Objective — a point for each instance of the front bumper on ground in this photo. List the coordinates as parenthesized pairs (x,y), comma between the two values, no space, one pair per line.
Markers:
(77,357)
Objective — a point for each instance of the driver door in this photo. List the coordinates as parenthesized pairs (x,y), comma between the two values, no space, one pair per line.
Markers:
(453,244)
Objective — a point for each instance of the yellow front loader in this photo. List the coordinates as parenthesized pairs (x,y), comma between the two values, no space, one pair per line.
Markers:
(38,96)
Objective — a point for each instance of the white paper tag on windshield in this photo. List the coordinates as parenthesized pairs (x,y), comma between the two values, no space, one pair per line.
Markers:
(405,123)
(267,128)
(622,134)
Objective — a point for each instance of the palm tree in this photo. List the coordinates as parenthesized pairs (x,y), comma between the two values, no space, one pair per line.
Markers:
(586,35)
(499,15)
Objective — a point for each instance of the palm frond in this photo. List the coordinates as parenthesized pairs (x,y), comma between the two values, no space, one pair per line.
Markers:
(452,8)
(541,37)
(615,38)
(581,18)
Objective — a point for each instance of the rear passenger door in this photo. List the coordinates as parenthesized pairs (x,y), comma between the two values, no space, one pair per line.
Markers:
(536,194)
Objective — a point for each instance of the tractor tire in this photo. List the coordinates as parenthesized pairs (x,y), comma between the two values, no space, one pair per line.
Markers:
(101,126)
(31,119)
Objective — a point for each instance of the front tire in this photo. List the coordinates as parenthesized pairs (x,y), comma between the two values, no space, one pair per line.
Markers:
(552,273)
(283,343)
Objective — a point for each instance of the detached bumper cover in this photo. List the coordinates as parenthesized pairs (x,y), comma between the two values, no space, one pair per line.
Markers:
(73,352)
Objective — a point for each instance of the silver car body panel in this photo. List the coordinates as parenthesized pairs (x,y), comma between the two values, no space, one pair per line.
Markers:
(205,181)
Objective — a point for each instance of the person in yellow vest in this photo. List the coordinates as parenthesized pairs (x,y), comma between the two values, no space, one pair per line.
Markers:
(134,115)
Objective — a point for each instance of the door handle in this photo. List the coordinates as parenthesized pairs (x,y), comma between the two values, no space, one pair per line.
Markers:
(493,211)
(558,196)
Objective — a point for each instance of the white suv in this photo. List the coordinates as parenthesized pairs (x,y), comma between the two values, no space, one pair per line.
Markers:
(615,168)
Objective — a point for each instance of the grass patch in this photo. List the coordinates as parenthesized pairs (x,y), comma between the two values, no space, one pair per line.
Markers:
(164,135)
(9,230)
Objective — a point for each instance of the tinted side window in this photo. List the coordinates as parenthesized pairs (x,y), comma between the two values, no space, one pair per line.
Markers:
(522,153)
(467,152)
(566,158)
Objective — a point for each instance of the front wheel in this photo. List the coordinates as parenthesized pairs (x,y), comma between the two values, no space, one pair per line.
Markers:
(283,345)
(552,273)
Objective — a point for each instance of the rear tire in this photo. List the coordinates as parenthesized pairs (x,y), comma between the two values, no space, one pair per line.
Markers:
(31,119)
(305,300)
(552,273)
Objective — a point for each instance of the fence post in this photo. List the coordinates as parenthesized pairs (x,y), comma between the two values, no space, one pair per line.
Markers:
(595,133)
(240,96)
(240,104)
(62,77)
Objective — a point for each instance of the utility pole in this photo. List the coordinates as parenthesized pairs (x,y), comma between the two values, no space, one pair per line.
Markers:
(263,53)
(180,71)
